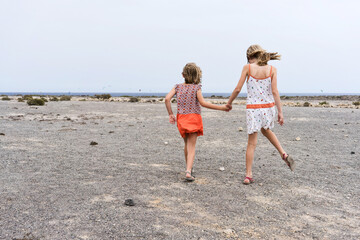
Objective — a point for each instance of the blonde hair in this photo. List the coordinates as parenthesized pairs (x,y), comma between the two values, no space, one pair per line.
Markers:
(256,51)
(192,73)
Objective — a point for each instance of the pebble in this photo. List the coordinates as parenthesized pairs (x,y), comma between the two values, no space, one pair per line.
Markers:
(240,129)
(352,152)
(2,134)
(129,202)
(222,169)
(298,139)
(228,231)
(93,143)
(166,143)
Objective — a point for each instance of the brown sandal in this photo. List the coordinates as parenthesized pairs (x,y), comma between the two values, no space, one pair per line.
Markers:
(289,161)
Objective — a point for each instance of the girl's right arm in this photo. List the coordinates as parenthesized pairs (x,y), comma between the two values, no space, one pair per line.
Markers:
(209,105)
(238,87)
(168,97)
(276,95)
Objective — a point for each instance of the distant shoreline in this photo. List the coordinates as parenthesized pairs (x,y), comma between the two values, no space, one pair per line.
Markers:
(293,96)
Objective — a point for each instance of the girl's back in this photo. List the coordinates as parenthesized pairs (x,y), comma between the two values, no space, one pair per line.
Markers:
(187,101)
(259,90)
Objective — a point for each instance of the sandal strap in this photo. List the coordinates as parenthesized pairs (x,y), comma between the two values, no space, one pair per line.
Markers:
(249,178)
(283,156)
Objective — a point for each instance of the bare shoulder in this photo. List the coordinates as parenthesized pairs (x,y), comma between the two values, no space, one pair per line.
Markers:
(245,68)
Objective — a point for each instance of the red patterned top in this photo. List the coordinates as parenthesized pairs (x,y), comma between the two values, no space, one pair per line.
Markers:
(187,101)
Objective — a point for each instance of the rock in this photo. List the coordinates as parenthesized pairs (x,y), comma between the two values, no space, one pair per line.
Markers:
(228,231)
(2,134)
(298,139)
(129,202)
(221,168)
(93,143)
(240,129)
(111,132)
(166,143)
(352,152)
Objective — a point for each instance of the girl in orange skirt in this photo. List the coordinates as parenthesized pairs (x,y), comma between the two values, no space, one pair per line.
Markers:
(189,121)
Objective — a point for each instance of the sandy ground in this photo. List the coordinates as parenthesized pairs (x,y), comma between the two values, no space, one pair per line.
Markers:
(55,185)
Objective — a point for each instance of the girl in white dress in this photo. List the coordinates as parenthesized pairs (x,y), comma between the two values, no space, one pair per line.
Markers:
(262,97)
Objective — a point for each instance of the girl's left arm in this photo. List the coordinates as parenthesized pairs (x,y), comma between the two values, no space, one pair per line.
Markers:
(168,98)
(276,95)
(209,105)
(239,86)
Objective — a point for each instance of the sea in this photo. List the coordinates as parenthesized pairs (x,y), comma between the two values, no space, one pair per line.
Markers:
(154,94)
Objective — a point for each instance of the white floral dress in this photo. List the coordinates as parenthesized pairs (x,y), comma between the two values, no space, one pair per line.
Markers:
(260,104)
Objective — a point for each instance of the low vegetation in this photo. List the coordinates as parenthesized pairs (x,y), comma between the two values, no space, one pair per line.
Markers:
(134,99)
(356,103)
(103,96)
(36,102)
(306,104)
(5,98)
(54,99)
(65,98)
(323,103)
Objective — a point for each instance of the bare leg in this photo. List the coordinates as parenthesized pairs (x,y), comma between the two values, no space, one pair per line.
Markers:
(273,139)
(191,142)
(252,141)
(185,149)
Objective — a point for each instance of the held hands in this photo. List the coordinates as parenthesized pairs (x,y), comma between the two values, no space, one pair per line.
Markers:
(172,119)
(280,119)
(229,107)
(225,108)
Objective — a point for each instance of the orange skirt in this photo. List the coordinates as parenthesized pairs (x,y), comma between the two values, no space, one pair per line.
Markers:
(190,123)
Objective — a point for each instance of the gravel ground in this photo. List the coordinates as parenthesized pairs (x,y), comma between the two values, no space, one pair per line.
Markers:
(55,185)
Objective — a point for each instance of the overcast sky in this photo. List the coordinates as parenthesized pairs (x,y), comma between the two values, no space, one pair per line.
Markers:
(124,46)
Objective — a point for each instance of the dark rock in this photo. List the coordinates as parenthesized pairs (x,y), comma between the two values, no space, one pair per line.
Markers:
(2,134)
(93,143)
(129,202)
(352,152)
(111,132)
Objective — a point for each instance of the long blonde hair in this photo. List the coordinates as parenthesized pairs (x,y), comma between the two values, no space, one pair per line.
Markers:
(256,51)
(192,73)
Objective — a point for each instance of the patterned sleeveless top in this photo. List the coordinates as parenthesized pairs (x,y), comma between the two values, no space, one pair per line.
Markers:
(259,92)
(187,101)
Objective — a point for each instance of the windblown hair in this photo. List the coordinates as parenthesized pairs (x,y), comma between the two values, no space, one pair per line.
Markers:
(192,73)
(257,52)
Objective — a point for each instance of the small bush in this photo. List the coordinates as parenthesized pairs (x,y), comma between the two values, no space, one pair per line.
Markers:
(323,103)
(103,96)
(306,104)
(356,103)
(65,98)
(134,99)
(36,101)
(54,99)
(20,99)
(45,100)
(83,100)
(27,97)
(6,98)
(174,100)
